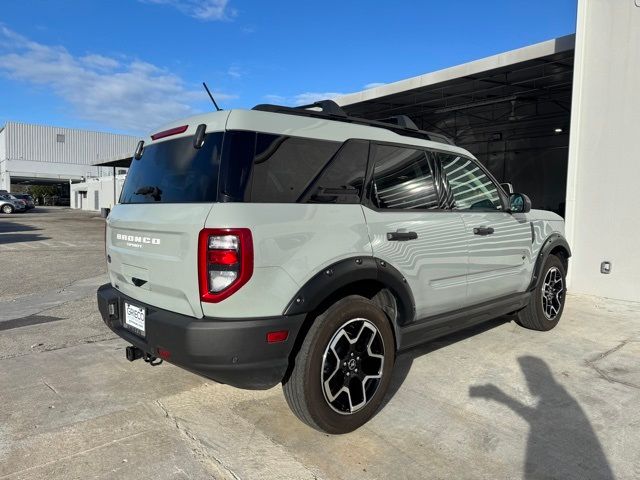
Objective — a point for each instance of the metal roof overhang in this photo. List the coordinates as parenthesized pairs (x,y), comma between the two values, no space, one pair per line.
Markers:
(120,161)
(540,73)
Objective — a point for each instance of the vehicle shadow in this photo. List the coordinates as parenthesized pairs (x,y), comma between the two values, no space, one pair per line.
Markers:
(405,359)
(7,238)
(10,227)
(561,442)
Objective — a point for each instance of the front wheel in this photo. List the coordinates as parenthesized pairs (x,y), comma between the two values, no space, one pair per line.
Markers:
(343,368)
(7,209)
(547,300)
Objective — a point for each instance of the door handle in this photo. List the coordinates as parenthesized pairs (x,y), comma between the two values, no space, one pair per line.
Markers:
(483,230)
(401,236)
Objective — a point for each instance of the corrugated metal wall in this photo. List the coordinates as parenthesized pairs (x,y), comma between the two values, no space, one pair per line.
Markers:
(2,145)
(63,145)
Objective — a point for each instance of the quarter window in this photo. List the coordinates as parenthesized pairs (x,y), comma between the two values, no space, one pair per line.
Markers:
(284,167)
(266,168)
(470,187)
(403,178)
(342,179)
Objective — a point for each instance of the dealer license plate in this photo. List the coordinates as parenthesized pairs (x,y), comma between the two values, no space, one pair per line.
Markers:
(134,318)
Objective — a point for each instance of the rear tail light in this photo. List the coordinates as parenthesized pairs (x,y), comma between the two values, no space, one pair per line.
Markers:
(225,262)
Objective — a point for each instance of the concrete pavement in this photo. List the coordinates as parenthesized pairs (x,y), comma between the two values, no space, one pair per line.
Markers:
(497,401)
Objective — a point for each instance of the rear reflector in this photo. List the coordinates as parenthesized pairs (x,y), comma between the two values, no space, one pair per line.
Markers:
(164,354)
(168,133)
(277,337)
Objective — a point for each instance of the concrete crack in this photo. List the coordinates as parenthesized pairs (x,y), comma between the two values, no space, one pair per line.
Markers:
(76,454)
(603,374)
(51,387)
(200,449)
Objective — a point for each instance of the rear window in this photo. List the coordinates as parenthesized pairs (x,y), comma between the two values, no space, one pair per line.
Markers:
(175,172)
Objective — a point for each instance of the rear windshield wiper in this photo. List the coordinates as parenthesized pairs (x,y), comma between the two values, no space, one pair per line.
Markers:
(150,190)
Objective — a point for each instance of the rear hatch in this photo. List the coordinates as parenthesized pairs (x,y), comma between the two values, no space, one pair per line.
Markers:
(152,235)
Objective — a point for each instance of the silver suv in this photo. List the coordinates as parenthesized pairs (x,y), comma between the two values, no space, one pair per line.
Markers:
(305,247)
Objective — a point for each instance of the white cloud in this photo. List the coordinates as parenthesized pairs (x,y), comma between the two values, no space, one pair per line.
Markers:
(311,97)
(305,98)
(100,62)
(124,95)
(277,99)
(200,9)
(235,71)
(373,85)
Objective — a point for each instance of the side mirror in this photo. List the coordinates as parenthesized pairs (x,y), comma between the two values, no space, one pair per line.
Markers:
(519,203)
(507,187)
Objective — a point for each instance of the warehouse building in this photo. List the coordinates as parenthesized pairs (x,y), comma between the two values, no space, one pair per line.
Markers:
(559,120)
(46,155)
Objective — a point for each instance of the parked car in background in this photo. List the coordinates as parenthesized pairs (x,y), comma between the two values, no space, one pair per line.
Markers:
(26,198)
(19,200)
(11,205)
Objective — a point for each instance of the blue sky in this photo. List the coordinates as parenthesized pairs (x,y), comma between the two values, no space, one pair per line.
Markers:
(130,65)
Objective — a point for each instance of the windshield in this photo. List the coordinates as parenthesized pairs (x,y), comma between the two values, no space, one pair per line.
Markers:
(175,172)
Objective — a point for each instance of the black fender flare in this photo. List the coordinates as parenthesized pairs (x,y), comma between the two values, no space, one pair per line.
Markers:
(554,240)
(349,271)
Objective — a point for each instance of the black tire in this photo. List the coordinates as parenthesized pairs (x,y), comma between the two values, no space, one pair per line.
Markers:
(304,389)
(7,209)
(533,316)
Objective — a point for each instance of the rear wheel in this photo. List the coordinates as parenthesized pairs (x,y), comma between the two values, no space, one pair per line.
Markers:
(7,209)
(343,368)
(547,300)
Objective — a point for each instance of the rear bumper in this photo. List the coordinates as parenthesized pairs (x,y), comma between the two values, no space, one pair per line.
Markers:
(231,351)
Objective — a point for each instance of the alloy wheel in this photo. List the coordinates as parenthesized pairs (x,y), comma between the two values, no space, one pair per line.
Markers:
(552,293)
(352,366)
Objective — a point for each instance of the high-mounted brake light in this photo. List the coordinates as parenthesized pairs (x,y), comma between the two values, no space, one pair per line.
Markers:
(168,133)
(225,262)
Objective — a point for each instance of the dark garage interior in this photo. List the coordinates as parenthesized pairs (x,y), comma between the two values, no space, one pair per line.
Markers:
(514,119)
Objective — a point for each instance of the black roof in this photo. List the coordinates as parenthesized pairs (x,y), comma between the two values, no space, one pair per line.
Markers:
(330,110)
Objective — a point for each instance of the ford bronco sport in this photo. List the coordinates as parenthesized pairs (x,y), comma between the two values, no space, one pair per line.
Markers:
(305,247)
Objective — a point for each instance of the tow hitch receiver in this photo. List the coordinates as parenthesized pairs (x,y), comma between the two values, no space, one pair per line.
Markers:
(134,353)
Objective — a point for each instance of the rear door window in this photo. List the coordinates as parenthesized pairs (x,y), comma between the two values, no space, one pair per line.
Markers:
(175,172)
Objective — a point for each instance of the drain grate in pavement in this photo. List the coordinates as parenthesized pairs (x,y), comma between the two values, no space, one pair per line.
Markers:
(26,321)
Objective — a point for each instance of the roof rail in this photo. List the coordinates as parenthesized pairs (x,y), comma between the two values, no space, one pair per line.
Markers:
(330,110)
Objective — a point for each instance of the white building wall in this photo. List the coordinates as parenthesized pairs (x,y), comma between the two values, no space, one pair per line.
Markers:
(83,194)
(3,161)
(603,223)
(55,153)
(40,143)
(3,148)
